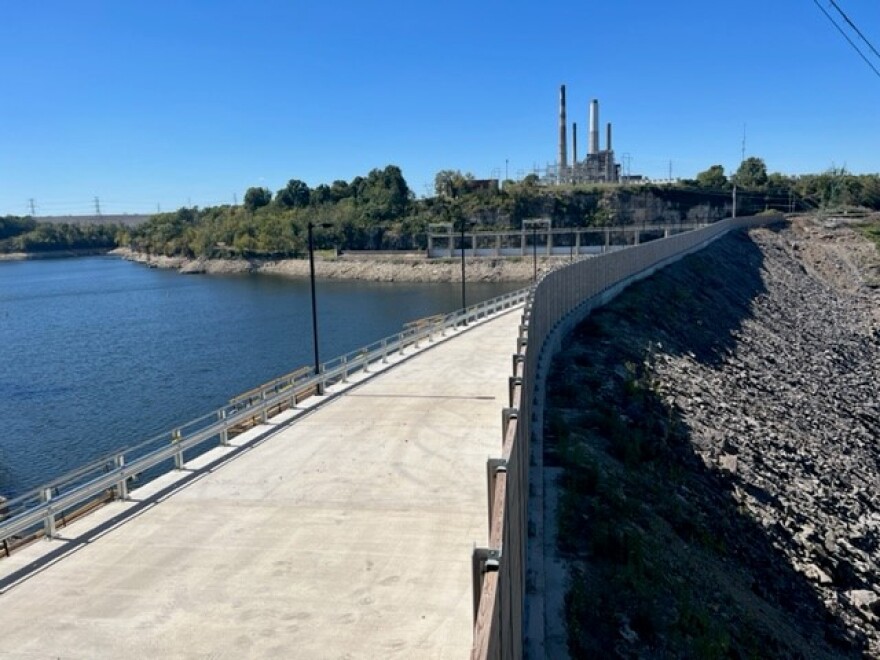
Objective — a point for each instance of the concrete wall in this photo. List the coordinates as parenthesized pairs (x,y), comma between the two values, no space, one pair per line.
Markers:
(561,300)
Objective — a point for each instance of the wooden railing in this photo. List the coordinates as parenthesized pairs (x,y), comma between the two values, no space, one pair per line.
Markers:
(562,299)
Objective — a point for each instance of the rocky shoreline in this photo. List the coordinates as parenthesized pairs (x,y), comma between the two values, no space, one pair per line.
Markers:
(724,417)
(379,268)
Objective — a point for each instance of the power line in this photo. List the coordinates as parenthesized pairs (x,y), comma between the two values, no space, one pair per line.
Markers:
(853,26)
(846,36)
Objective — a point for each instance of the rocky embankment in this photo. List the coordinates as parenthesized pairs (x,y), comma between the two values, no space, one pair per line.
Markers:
(414,268)
(718,430)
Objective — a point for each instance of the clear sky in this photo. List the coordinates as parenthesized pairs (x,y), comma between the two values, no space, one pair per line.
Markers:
(170,103)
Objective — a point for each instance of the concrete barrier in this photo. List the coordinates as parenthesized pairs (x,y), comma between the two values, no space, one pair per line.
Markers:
(561,300)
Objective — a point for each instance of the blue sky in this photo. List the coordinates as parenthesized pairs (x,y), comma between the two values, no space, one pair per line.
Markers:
(172,103)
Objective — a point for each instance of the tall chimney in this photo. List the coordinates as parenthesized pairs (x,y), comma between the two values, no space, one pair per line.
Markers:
(608,137)
(574,144)
(594,127)
(563,141)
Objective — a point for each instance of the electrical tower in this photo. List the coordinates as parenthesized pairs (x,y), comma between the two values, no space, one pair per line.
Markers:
(97,207)
(33,209)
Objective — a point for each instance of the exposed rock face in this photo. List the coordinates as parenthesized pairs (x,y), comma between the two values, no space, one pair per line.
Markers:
(749,372)
(378,269)
(796,401)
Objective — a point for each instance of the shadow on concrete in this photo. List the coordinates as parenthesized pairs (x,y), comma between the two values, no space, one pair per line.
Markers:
(663,562)
(67,545)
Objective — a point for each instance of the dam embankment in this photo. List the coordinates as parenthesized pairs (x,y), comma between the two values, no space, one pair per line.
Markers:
(712,443)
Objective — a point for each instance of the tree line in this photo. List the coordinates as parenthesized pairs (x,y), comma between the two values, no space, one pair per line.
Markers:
(380,211)
(19,234)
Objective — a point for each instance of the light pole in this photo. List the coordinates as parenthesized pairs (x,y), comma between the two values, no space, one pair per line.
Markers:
(311,226)
(464,225)
(535,252)
(534,226)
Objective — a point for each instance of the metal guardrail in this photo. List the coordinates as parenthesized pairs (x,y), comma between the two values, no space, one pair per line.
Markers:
(38,511)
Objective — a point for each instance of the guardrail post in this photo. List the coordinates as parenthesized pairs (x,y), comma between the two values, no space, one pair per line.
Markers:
(264,413)
(365,361)
(224,433)
(121,486)
(49,522)
(493,467)
(344,369)
(400,343)
(483,561)
(507,414)
(178,456)
(384,351)
(514,382)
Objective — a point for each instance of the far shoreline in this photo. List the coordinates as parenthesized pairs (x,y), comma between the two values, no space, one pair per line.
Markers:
(385,267)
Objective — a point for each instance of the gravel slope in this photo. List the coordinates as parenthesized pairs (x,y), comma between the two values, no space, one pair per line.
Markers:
(718,433)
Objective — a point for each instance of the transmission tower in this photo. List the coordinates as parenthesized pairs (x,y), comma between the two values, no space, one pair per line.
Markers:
(33,209)
(97,207)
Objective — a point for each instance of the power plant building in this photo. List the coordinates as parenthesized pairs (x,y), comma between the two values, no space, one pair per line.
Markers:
(598,166)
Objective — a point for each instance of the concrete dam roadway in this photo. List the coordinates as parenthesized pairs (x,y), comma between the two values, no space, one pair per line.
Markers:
(347,533)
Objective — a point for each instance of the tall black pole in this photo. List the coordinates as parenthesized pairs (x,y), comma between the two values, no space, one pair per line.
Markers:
(535,251)
(463,299)
(314,306)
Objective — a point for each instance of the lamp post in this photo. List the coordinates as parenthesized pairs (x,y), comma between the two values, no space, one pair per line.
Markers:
(534,252)
(534,226)
(464,225)
(311,226)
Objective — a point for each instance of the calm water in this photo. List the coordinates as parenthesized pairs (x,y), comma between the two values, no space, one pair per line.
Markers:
(98,353)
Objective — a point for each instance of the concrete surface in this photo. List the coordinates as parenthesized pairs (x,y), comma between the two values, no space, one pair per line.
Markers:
(344,534)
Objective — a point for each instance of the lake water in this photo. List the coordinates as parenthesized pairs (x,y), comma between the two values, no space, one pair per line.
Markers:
(99,353)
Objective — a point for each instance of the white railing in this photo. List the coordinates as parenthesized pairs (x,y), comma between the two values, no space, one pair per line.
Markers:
(38,511)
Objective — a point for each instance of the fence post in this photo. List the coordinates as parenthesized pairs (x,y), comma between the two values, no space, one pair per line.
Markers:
(49,522)
(121,487)
(344,369)
(224,433)
(264,413)
(384,351)
(178,456)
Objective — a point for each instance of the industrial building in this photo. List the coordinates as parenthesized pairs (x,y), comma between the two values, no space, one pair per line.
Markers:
(597,166)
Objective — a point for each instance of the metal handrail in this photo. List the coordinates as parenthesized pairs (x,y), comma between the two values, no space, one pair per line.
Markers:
(40,506)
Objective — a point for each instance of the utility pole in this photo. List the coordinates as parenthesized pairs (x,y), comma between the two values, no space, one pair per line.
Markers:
(670,171)
(97,207)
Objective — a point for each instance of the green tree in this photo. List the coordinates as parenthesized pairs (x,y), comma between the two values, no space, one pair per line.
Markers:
(752,173)
(254,198)
(295,194)
(713,178)
(451,182)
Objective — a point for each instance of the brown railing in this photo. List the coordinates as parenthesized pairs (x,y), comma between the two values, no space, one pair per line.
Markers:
(563,298)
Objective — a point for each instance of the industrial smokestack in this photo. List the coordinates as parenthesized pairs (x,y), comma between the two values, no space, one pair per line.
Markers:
(608,137)
(594,127)
(563,141)
(574,144)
